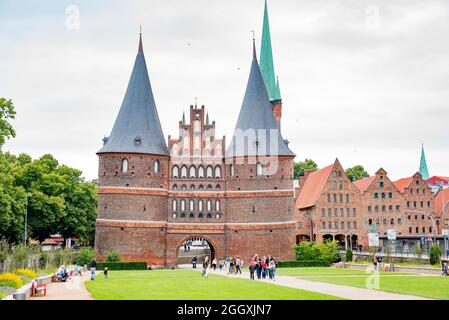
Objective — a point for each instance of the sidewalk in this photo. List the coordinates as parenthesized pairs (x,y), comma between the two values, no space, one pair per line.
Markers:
(345,292)
(71,290)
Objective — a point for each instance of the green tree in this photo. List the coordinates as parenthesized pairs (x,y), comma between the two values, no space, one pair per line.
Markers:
(7,113)
(300,166)
(357,172)
(435,254)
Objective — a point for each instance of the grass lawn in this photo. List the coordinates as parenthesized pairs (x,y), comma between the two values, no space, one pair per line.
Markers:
(436,287)
(402,264)
(189,285)
(324,271)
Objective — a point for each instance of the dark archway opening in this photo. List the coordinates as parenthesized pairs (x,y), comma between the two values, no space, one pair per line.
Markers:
(194,247)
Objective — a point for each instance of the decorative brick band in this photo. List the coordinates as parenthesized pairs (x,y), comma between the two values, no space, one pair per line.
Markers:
(198,194)
(194,227)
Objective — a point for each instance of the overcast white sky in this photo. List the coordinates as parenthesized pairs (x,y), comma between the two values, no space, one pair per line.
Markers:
(364,81)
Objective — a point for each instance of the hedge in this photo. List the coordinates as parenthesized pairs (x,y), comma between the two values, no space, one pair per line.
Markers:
(122,265)
(302,263)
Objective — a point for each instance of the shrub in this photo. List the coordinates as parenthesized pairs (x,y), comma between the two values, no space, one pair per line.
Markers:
(43,260)
(113,256)
(27,273)
(122,265)
(20,256)
(85,256)
(348,255)
(10,280)
(329,251)
(435,254)
(302,263)
(306,250)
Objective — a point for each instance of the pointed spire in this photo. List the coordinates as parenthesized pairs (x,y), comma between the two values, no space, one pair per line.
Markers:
(183,117)
(254,45)
(256,119)
(423,164)
(196,102)
(278,89)
(137,128)
(266,58)
(207,119)
(140,40)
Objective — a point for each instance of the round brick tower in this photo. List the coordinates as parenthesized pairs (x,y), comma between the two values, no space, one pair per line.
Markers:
(133,171)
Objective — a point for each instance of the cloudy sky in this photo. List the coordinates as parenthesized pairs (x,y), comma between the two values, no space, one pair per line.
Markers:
(364,81)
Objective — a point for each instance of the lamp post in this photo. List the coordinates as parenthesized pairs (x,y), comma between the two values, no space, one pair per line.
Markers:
(25,234)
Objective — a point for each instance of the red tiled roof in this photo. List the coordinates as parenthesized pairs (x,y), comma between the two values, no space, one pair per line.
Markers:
(438,203)
(403,183)
(313,186)
(437,178)
(364,183)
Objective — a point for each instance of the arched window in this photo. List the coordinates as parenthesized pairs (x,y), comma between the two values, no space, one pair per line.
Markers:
(201,172)
(192,172)
(323,225)
(200,205)
(175,172)
(156,166)
(217,172)
(209,172)
(209,205)
(175,187)
(191,205)
(259,169)
(183,205)
(192,187)
(217,187)
(183,172)
(175,205)
(184,187)
(232,170)
(342,225)
(209,187)
(125,165)
(217,205)
(201,187)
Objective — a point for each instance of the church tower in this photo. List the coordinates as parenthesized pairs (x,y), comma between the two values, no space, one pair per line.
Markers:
(423,165)
(267,69)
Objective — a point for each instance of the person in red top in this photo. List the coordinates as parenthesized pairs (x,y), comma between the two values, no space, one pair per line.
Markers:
(264,268)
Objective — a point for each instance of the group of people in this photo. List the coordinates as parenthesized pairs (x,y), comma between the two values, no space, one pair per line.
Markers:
(263,267)
(377,261)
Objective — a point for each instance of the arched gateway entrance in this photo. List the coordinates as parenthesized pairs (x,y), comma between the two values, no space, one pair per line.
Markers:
(193,247)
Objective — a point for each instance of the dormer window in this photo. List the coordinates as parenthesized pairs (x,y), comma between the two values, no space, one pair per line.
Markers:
(137,141)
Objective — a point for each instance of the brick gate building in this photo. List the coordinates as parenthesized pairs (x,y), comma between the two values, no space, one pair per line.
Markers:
(153,197)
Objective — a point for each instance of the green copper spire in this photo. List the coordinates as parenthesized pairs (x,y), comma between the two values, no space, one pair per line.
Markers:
(423,165)
(266,59)
(278,89)
(207,118)
(183,117)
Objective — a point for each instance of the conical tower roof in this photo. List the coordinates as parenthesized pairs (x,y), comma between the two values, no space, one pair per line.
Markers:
(137,128)
(256,132)
(423,165)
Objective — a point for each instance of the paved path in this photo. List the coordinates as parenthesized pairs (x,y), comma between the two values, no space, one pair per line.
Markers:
(71,290)
(346,292)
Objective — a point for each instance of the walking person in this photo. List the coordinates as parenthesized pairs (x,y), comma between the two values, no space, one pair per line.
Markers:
(271,269)
(445,269)
(231,266)
(93,266)
(105,272)
(259,268)
(379,262)
(264,267)
(194,260)
(252,268)
(220,264)
(237,266)
(214,263)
